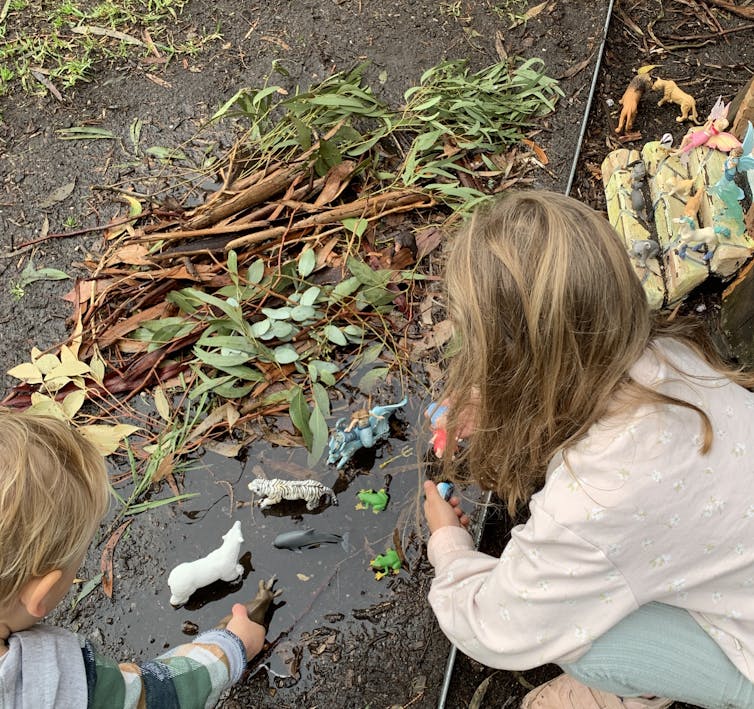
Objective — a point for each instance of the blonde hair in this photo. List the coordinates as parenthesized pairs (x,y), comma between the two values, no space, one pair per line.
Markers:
(53,493)
(549,316)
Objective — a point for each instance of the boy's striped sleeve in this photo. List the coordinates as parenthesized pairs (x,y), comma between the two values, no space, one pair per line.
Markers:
(189,676)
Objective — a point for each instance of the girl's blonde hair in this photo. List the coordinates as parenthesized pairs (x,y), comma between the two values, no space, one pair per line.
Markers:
(549,316)
(53,493)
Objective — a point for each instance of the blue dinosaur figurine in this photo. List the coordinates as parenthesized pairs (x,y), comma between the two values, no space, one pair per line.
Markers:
(367,427)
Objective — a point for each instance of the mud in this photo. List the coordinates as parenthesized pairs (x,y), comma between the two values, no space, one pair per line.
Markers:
(339,637)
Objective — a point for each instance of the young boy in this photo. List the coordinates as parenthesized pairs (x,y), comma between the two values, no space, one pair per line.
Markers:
(53,494)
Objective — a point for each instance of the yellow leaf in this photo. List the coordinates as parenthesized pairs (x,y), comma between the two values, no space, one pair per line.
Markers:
(26,371)
(41,404)
(303,577)
(70,366)
(646,68)
(46,363)
(35,354)
(53,384)
(534,11)
(73,402)
(107,438)
(161,403)
(97,368)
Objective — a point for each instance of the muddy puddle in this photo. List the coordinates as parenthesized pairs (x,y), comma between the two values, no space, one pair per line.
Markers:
(327,585)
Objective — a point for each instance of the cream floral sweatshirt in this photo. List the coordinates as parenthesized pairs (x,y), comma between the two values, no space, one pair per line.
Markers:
(633,513)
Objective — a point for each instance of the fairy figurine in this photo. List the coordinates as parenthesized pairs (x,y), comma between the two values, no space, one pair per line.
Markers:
(738,160)
(712,134)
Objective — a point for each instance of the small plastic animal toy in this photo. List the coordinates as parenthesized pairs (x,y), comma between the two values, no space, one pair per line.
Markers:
(367,427)
(256,609)
(692,237)
(445,490)
(642,249)
(274,491)
(219,565)
(666,141)
(630,101)
(376,500)
(671,93)
(712,134)
(383,564)
(305,539)
(638,203)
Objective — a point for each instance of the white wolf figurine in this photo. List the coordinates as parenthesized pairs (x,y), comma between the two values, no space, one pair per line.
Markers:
(220,564)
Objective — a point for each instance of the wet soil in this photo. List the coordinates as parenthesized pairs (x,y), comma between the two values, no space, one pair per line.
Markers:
(339,637)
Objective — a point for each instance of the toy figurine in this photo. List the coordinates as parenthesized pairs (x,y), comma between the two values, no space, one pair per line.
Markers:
(376,500)
(219,565)
(630,101)
(638,203)
(672,94)
(712,134)
(690,236)
(256,609)
(367,427)
(305,539)
(666,141)
(642,249)
(445,490)
(383,564)
(274,491)
(738,160)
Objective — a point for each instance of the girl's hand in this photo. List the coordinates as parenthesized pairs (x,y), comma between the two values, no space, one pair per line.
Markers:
(250,633)
(440,513)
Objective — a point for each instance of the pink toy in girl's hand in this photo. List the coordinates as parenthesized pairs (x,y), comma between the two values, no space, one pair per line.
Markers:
(220,564)
(439,440)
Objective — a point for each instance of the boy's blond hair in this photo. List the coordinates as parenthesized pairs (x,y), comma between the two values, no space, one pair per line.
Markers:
(549,316)
(53,493)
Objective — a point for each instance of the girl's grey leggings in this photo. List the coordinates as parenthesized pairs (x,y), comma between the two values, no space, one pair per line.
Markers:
(661,650)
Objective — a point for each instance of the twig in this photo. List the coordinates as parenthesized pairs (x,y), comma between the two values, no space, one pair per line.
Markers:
(85,230)
(746,12)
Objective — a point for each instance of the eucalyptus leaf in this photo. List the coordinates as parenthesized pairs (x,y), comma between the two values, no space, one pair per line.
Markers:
(335,335)
(282,329)
(372,378)
(285,354)
(283,313)
(255,272)
(310,295)
(230,390)
(322,398)
(303,312)
(318,427)
(214,359)
(306,262)
(261,327)
(299,413)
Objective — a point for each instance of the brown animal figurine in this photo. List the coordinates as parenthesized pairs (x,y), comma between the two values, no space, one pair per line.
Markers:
(672,94)
(630,101)
(257,608)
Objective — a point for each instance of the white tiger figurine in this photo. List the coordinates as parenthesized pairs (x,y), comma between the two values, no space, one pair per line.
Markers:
(274,491)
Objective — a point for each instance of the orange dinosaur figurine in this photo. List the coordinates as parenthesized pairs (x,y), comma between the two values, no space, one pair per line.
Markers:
(630,101)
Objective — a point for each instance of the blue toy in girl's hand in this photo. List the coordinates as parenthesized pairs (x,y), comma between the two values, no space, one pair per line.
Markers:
(445,489)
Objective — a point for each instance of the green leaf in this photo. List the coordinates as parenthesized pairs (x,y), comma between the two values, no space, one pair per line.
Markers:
(356,226)
(86,589)
(323,370)
(283,313)
(299,412)
(214,359)
(345,288)
(233,265)
(318,427)
(229,390)
(85,133)
(368,355)
(306,263)
(371,378)
(261,327)
(310,295)
(303,312)
(179,298)
(256,271)
(166,153)
(285,354)
(335,335)
(322,399)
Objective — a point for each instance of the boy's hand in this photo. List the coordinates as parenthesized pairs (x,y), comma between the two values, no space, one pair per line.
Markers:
(250,633)
(440,513)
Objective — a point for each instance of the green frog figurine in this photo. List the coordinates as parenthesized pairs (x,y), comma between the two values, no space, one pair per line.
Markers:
(383,564)
(376,500)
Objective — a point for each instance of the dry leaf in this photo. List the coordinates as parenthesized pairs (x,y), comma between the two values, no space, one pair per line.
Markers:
(58,195)
(107,438)
(161,404)
(302,577)
(439,335)
(106,560)
(157,80)
(27,372)
(541,154)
